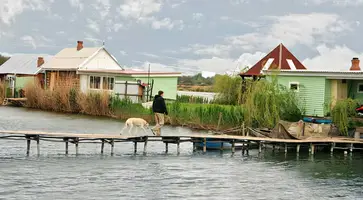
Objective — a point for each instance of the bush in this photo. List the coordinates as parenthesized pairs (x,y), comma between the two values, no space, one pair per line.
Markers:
(342,113)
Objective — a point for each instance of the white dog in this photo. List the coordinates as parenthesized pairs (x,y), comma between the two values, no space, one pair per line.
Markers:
(131,122)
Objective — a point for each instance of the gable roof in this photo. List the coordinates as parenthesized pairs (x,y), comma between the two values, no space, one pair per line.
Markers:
(279,58)
(25,64)
(72,59)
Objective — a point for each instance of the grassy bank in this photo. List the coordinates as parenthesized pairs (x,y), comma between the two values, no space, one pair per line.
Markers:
(67,99)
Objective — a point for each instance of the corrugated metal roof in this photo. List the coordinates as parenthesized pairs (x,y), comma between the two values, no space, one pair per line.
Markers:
(23,64)
(70,58)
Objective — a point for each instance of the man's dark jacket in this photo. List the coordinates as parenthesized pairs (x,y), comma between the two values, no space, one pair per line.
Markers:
(159,105)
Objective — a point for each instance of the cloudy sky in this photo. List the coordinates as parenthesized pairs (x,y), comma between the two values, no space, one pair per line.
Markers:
(188,35)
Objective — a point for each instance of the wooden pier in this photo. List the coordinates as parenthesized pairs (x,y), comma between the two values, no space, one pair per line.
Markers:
(346,144)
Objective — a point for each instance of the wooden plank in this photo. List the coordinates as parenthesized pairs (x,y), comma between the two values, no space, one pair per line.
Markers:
(191,136)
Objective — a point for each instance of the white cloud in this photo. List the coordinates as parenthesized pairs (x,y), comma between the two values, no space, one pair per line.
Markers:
(92,24)
(77,4)
(294,29)
(9,9)
(103,7)
(197,16)
(306,29)
(123,53)
(29,40)
(336,59)
(136,9)
(166,23)
(5,54)
(336,2)
(214,50)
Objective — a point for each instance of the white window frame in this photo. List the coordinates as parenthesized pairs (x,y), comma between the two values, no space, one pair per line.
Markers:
(359,84)
(113,84)
(89,82)
(101,83)
(294,83)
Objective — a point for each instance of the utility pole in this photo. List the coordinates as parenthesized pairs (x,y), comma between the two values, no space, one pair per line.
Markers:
(148,84)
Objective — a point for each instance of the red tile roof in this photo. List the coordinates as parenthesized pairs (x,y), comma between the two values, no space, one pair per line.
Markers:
(279,59)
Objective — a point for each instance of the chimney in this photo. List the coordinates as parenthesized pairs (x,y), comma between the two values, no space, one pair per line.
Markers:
(40,61)
(355,65)
(79,45)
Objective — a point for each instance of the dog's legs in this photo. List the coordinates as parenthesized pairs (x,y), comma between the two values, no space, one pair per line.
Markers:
(122,130)
(143,128)
(131,127)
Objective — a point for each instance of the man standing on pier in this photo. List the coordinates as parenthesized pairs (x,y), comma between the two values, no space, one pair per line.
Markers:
(159,109)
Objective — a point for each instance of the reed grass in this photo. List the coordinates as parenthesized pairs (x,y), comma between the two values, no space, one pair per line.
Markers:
(342,114)
(2,90)
(192,99)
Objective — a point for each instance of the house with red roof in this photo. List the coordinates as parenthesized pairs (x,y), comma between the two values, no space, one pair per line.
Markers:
(318,90)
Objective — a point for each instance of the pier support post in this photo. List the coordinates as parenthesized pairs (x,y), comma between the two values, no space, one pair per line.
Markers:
(166,147)
(194,147)
(205,145)
(222,147)
(135,147)
(178,148)
(38,145)
(351,148)
(285,147)
(233,147)
(112,147)
(332,148)
(273,148)
(298,148)
(243,148)
(76,143)
(28,145)
(145,146)
(259,147)
(247,149)
(102,146)
(66,142)
(312,149)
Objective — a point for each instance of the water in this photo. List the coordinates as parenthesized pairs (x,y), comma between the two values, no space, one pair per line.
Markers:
(158,176)
(208,95)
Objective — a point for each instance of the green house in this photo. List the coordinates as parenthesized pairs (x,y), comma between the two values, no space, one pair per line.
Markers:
(318,91)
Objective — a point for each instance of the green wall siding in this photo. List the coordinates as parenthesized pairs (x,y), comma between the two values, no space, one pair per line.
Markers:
(311,93)
(166,84)
(353,90)
(327,96)
(21,82)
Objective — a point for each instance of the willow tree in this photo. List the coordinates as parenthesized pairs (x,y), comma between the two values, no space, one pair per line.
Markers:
(267,102)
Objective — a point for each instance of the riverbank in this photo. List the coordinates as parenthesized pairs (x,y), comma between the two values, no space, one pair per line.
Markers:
(197,116)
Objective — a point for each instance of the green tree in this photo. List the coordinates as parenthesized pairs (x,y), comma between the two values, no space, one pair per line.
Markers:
(3,59)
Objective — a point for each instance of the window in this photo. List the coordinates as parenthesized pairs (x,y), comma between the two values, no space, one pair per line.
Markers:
(294,86)
(360,88)
(95,82)
(108,83)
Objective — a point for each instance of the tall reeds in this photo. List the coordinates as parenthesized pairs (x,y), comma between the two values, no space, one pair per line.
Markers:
(342,114)
(2,90)
(191,99)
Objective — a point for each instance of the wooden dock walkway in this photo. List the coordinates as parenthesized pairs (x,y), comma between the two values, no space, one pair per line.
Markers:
(77,138)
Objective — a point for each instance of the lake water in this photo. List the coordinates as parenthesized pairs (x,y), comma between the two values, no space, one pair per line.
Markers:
(158,176)
(208,95)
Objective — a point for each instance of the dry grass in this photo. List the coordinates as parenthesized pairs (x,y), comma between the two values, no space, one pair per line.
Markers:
(2,90)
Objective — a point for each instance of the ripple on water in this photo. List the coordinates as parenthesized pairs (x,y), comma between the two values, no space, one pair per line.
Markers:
(156,175)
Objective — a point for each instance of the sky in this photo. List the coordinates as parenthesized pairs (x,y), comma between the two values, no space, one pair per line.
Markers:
(189,36)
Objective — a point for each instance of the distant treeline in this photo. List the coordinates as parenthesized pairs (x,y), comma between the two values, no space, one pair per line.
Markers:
(197,79)
(3,59)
